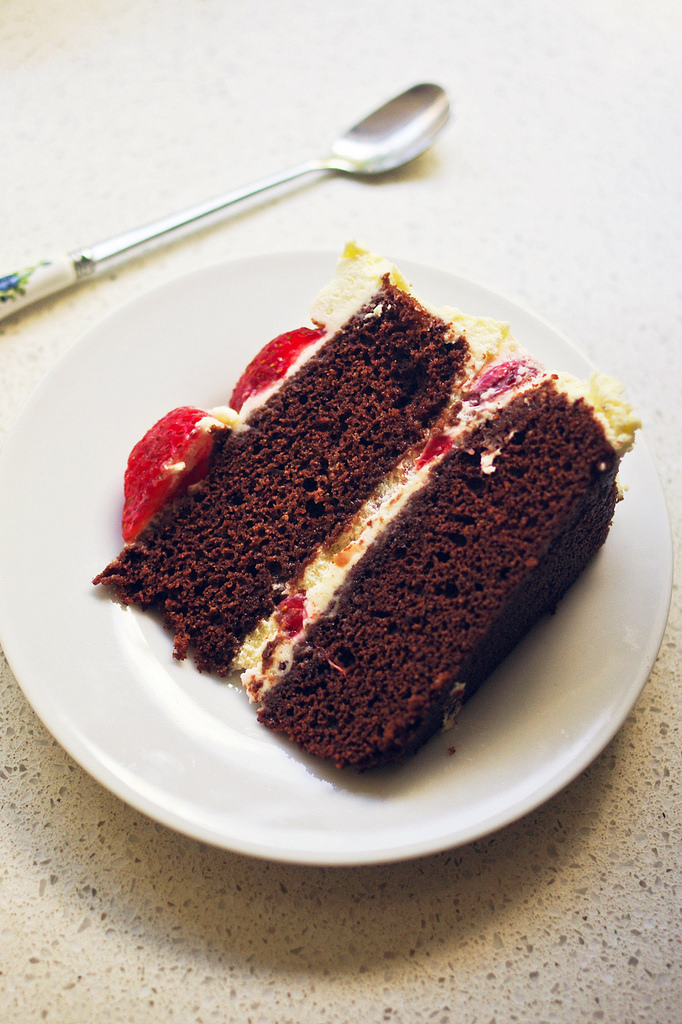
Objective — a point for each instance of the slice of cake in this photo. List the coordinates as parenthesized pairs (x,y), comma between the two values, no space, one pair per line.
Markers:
(393,500)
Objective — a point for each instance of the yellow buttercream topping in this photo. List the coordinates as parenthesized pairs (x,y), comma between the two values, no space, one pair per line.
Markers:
(605,395)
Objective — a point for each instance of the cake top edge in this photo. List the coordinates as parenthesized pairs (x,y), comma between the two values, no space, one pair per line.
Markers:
(605,395)
(358,278)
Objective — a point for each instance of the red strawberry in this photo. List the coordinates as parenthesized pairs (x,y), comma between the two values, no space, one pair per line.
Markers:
(272,362)
(173,454)
(499,378)
(437,446)
(290,614)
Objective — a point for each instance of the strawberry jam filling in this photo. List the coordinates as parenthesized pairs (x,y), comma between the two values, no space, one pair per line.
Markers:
(290,614)
(436,447)
(500,378)
(272,363)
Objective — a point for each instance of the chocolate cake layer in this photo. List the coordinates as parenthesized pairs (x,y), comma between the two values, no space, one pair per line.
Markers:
(452,584)
(215,563)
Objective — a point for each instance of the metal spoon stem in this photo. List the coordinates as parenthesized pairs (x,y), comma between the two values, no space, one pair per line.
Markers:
(93,257)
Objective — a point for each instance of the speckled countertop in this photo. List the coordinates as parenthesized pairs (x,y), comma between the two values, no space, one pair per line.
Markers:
(558,184)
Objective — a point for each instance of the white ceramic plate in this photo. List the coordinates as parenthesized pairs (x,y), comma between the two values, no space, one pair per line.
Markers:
(186,748)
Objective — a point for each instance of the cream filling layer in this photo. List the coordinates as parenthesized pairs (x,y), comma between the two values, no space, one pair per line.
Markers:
(255,401)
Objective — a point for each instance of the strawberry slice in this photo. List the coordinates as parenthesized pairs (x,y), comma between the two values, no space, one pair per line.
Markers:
(272,362)
(500,377)
(290,614)
(173,454)
(437,446)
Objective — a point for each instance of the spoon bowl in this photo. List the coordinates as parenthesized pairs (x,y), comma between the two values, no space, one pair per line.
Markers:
(391,136)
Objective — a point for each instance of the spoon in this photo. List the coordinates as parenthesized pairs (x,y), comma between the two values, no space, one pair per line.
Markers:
(391,136)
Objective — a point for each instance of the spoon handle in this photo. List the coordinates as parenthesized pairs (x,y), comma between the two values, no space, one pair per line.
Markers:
(22,287)
(19,289)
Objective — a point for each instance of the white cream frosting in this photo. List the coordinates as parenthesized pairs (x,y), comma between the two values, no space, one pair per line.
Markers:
(222,413)
(605,396)
(358,278)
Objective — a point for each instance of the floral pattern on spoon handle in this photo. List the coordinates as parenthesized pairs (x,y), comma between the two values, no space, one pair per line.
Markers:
(36,282)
